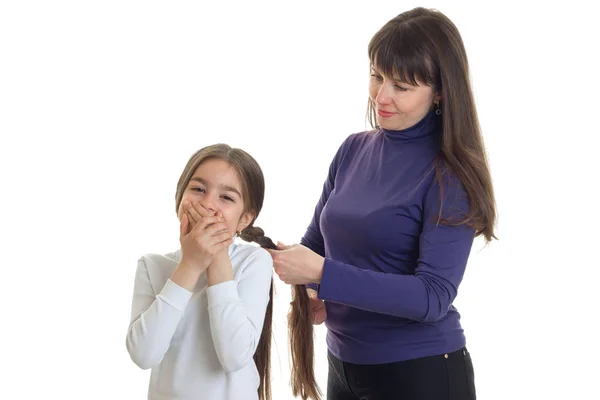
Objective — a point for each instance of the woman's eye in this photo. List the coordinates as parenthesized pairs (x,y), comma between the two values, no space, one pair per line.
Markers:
(199,190)
(376,76)
(401,88)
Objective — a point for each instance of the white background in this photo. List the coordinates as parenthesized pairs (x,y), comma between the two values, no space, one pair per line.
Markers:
(102,103)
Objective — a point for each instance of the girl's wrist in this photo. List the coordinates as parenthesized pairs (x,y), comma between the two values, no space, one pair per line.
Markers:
(186,275)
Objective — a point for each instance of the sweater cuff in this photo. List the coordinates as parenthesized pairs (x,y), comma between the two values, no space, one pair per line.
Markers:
(222,293)
(313,286)
(327,287)
(174,295)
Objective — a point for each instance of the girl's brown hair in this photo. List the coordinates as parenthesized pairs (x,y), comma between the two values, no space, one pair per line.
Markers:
(253,193)
(300,330)
(419,45)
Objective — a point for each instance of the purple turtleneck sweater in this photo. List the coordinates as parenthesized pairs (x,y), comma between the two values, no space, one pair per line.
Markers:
(391,272)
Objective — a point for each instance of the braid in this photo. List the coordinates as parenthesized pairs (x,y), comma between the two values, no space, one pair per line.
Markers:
(262,356)
(257,235)
(300,329)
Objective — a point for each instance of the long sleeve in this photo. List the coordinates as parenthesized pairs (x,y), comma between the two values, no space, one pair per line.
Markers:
(428,294)
(313,239)
(237,312)
(154,318)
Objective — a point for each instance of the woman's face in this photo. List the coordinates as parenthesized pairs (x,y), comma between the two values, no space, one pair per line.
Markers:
(399,105)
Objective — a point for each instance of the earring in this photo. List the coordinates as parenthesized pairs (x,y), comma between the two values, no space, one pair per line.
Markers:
(438,110)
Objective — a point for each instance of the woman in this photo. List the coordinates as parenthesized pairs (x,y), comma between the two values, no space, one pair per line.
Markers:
(391,234)
(201,316)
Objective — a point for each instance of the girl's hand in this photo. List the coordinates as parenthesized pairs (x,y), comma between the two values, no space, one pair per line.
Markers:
(197,213)
(200,244)
(224,253)
(220,269)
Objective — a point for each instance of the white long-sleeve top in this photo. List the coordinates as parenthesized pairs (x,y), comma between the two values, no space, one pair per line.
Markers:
(200,345)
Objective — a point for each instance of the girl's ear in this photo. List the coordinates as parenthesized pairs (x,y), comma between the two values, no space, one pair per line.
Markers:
(245,220)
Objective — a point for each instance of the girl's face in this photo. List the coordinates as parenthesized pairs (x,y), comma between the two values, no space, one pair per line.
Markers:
(215,186)
(399,105)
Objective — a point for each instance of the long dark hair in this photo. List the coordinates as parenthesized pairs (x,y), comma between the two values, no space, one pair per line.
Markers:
(253,192)
(424,45)
(300,329)
(418,45)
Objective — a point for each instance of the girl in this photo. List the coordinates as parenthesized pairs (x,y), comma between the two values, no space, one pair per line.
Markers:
(392,232)
(201,316)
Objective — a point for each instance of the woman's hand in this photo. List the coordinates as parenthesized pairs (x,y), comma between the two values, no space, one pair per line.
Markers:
(318,313)
(297,264)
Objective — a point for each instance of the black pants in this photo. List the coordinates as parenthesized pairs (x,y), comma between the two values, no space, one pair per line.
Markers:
(443,377)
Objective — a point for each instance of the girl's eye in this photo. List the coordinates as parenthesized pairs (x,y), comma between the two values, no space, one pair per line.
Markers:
(228,198)
(402,89)
(377,77)
(198,189)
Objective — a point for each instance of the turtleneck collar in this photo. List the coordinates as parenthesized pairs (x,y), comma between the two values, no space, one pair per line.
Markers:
(425,128)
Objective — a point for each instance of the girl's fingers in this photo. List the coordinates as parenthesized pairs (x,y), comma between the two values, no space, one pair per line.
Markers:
(216,228)
(222,245)
(184,225)
(206,240)
(199,210)
(221,237)
(191,221)
(195,212)
(191,215)
(203,223)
